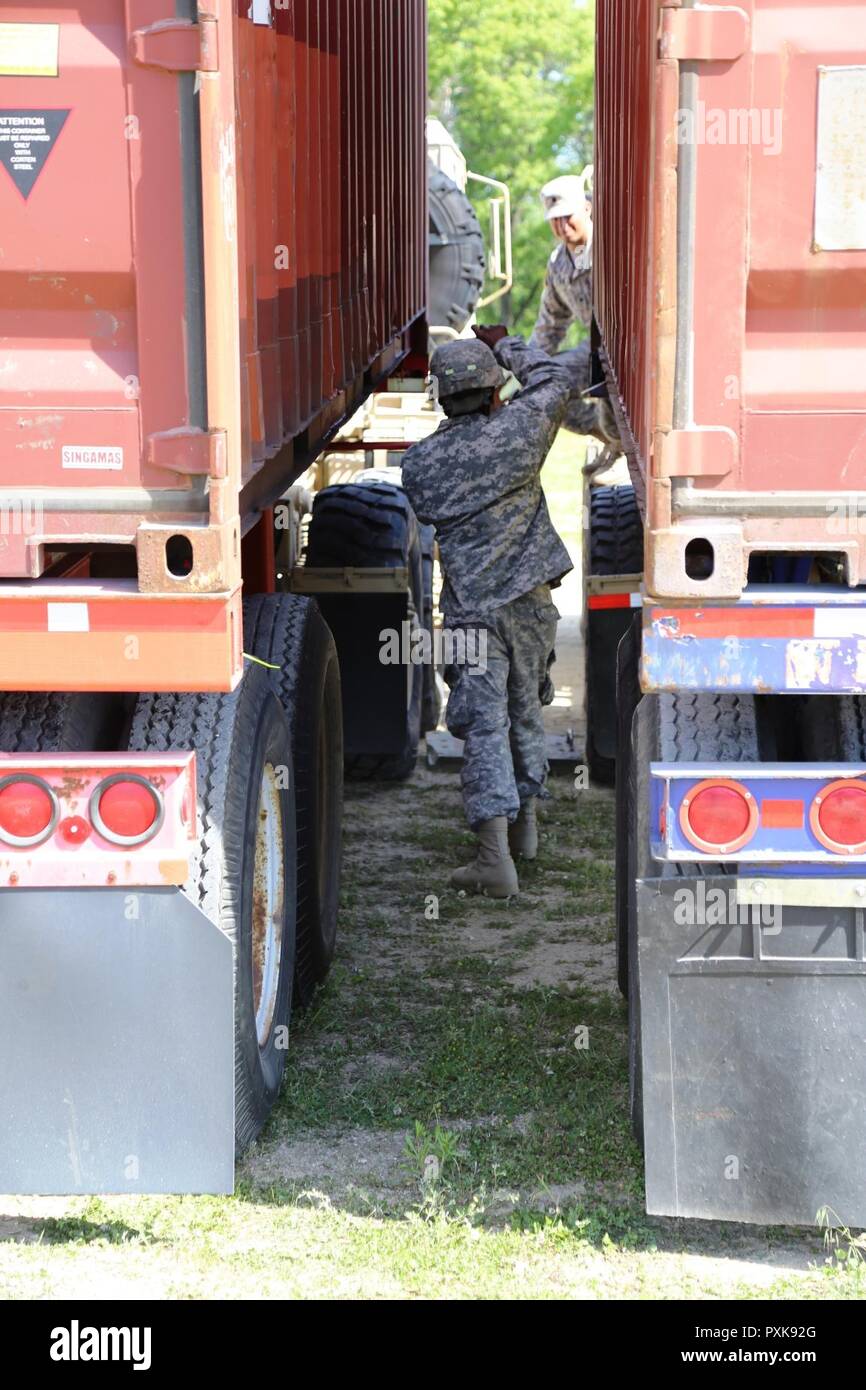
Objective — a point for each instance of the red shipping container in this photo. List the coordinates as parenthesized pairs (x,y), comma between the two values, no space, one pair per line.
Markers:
(731,277)
(212,244)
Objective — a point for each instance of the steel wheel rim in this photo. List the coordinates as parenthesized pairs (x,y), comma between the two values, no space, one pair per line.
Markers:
(269,899)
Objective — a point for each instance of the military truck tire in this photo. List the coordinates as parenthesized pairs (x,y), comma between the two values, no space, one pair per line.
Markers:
(457,260)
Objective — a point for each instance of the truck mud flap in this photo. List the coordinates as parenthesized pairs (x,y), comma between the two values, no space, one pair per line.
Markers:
(605,629)
(754,1069)
(374,694)
(117,1040)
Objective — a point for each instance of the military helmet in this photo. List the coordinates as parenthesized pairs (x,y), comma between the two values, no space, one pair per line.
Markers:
(565,196)
(465,365)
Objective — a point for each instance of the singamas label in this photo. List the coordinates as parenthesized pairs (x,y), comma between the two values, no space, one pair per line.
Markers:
(92,456)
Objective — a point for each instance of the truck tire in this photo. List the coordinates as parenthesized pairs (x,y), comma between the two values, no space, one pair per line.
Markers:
(244,867)
(615,547)
(37,722)
(369,526)
(833,728)
(628,696)
(708,728)
(636,859)
(457,259)
(431,710)
(288,631)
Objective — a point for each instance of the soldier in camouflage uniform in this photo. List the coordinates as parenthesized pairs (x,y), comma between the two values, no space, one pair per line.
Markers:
(567,299)
(477,480)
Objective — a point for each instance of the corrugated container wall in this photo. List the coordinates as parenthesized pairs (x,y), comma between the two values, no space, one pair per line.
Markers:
(337,90)
(731,280)
(625,96)
(212,241)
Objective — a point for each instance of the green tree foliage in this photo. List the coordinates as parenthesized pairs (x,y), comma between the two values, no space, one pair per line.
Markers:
(513,82)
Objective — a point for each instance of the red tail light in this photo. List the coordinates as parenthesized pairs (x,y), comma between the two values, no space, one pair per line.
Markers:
(28,810)
(838,817)
(719,816)
(126,810)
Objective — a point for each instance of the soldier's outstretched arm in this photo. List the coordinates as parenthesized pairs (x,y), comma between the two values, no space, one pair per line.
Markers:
(537,413)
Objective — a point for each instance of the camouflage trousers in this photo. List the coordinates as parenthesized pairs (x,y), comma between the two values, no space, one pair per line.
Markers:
(496,706)
(592,417)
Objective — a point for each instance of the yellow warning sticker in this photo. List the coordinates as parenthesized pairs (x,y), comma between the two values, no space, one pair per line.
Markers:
(29,50)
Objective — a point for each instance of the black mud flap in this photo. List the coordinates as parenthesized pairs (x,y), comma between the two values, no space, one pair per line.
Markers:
(374,692)
(605,629)
(754,1069)
(117,1039)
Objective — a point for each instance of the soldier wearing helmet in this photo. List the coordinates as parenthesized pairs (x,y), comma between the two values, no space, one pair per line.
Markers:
(463,373)
(567,299)
(478,481)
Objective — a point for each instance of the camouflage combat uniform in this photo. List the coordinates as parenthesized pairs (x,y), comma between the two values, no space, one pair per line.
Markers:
(477,480)
(567,299)
(567,296)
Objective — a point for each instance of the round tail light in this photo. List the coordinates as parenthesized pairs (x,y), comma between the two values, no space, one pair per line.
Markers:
(838,817)
(29,810)
(126,809)
(718,816)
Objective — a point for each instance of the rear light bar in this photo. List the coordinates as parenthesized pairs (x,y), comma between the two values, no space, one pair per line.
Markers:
(96,819)
(807,813)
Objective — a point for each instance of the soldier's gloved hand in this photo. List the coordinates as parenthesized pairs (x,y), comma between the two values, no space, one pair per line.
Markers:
(491,336)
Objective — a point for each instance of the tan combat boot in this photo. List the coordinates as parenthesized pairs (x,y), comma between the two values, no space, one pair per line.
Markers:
(523,834)
(492,871)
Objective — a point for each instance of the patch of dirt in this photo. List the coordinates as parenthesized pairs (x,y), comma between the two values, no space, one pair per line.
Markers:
(332,1161)
(565,951)
(559,964)
(377,1063)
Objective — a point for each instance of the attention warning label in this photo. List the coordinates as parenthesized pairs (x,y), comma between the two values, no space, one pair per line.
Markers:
(26,140)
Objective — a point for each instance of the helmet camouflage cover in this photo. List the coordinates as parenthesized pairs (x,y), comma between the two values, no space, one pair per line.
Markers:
(465,366)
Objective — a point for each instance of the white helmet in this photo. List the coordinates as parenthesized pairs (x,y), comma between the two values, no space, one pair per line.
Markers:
(564,196)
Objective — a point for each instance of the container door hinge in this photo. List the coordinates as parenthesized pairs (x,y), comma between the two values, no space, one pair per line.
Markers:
(177,45)
(189,451)
(696,453)
(704,35)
